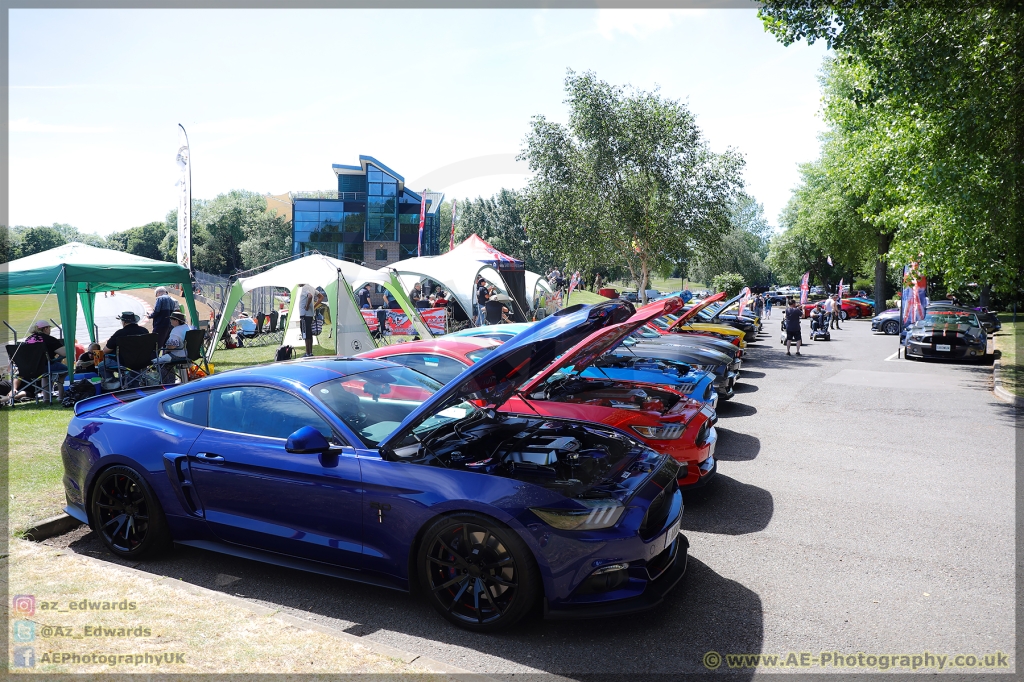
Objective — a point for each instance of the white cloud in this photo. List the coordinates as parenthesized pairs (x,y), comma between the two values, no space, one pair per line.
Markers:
(24,125)
(640,23)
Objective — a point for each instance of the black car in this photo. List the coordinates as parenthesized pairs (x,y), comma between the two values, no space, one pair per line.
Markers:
(948,333)
(989,320)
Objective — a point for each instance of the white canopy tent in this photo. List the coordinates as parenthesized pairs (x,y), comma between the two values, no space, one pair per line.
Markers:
(535,282)
(338,278)
(458,270)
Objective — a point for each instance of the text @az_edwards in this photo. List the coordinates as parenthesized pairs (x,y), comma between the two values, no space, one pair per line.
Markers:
(837,659)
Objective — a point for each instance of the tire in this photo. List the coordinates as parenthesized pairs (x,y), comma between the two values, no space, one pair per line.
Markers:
(891,327)
(472,554)
(126,514)
(843,315)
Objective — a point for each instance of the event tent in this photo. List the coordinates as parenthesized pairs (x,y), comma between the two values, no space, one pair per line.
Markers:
(75,272)
(338,278)
(535,282)
(458,270)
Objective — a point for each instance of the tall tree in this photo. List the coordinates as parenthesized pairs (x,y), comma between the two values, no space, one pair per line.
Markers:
(741,250)
(629,181)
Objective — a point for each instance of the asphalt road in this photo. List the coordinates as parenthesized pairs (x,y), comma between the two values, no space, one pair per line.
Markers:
(862,505)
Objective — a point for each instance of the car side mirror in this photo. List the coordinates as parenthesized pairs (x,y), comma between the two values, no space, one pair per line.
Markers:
(307,441)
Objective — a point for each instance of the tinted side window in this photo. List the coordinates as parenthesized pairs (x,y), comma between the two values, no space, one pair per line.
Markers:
(434,366)
(190,408)
(260,411)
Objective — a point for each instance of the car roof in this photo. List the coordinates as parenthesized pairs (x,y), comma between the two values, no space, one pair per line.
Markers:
(305,371)
(461,345)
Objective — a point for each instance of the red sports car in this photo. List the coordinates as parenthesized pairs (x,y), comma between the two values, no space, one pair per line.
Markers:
(849,308)
(664,418)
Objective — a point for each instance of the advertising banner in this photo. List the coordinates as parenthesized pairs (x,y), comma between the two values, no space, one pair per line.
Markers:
(184,185)
(398,323)
(804,288)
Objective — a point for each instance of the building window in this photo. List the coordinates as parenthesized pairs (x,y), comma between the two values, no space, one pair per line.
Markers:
(381,254)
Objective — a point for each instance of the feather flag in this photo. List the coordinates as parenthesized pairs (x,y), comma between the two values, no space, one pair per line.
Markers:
(574,281)
(184,201)
(423,217)
(829,259)
(840,290)
(804,288)
(913,299)
(744,299)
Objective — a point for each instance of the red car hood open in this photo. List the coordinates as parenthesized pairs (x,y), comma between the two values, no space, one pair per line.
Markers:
(600,342)
(696,309)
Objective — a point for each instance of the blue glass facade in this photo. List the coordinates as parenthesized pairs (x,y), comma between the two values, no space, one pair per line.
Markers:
(370,215)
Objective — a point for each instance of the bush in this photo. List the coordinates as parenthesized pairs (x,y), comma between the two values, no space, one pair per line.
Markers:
(892,303)
(729,282)
(867,285)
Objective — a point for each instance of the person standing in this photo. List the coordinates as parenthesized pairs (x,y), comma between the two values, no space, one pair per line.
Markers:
(364,297)
(793,317)
(768,306)
(758,305)
(837,312)
(307,307)
(829,307)
(161,315)
(481,301)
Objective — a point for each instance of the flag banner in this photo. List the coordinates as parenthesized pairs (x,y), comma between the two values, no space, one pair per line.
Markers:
(184,185)
(399,324)
(423,217)
(804,288)
(744,299)
(840,290)
(455,206)
(574,281)
(913,300)
(829,260)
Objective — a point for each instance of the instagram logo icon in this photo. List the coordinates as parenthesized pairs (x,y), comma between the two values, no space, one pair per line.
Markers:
(24,604)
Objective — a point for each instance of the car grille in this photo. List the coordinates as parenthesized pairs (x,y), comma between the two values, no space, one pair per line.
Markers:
(661,563)
(951,339)
(661,505)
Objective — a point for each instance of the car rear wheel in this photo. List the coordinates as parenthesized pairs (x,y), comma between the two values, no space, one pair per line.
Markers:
(126,514)
(891,327)
(477,573)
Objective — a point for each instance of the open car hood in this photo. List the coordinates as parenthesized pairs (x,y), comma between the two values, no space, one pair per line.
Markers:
(692,312)
(583,354)
(502,372)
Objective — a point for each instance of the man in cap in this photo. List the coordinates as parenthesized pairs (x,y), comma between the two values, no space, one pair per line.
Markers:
(129,327)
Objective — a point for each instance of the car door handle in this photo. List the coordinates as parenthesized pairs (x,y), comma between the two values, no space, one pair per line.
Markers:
(209,457)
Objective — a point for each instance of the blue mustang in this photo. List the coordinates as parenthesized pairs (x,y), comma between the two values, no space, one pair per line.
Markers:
(367,470)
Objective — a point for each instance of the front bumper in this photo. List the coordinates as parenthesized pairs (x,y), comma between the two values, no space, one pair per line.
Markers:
(724,384)
(651,597)
(957,352)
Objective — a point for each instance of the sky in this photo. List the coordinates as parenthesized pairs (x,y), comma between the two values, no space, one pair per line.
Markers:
(271,98)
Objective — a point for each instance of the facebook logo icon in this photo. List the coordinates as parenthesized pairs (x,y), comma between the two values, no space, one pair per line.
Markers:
(24,657)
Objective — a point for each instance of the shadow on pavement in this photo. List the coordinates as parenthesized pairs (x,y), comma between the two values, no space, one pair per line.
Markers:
(728,507)
(750,374)
(744,388)
(731,408)
(734,446)
(705,612)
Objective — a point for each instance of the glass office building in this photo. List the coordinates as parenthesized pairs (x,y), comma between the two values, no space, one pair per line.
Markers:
(372,218)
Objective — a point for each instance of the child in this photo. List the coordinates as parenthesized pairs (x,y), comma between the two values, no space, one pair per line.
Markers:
(88,360)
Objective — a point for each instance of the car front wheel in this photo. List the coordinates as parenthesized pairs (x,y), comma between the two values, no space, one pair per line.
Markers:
(891,327)
(478,574)
(843,314)
(126,514)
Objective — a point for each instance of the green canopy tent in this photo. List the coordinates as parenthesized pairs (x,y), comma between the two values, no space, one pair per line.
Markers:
(75,272)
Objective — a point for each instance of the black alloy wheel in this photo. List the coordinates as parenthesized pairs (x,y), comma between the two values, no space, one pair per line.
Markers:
(891,327)
(843,315)
(125,513)
(477,574)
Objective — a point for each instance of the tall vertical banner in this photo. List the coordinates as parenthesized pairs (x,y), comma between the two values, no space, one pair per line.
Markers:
(744,299)
(840,290)
(184,186)
(913,299)
(455,206)
(804,288)
(423,218)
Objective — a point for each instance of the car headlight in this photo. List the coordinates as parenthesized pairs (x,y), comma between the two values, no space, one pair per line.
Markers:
(660,432)
(599,514)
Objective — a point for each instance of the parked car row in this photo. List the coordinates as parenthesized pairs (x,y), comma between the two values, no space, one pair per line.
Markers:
(490,470)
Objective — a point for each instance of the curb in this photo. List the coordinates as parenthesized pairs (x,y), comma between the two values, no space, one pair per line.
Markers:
(1001,392)
(419,662)
(48,528)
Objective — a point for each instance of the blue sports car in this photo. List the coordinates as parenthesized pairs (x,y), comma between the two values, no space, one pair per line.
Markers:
(368,470)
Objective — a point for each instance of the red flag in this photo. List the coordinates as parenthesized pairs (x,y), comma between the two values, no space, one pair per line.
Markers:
(744,299)
(455,204)
(423,217)
(840,290)
(804,287)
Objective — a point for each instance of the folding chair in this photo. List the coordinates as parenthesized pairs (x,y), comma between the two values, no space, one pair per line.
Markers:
(135,356)
(194,341)
(274,315)
(260,319)
(29,363)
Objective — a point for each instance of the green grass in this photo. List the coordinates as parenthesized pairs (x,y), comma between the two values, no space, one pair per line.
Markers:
(661,284)
(34,435)
(21,311)
(583,297)
(1007,340)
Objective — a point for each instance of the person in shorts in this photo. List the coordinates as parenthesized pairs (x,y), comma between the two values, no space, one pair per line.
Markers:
(793,317)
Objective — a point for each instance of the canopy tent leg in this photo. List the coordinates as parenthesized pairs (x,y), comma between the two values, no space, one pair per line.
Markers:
(67,300)
(225,315)
(87,299)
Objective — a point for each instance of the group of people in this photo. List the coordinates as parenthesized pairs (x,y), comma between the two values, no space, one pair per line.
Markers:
(825,315)
(762,305)
(490,305)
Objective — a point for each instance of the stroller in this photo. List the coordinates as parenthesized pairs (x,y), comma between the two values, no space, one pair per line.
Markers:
(819,327)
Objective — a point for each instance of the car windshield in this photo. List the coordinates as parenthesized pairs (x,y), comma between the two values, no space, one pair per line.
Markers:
(937,318)
(478,355)
(374,403)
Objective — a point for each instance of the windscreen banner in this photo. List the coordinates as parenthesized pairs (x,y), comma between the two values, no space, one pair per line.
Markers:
(398,323)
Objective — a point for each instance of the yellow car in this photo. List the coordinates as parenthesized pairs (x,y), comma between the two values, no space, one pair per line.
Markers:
(686,323)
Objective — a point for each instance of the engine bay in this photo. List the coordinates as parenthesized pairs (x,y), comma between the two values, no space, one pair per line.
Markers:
(573,458)
(574,389)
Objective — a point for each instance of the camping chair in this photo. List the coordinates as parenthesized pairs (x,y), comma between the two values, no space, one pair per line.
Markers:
(28,362)
(273,321)
(194,355)
(260,319)
(135,356)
